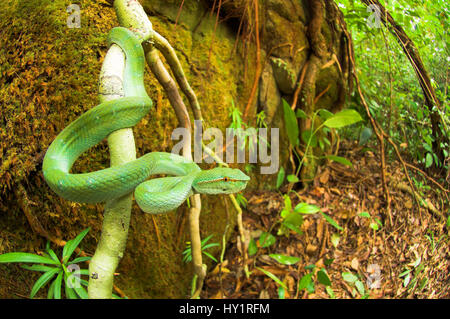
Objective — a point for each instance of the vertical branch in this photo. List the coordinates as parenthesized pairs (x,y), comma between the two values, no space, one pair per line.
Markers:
(117,213)
(258,62)
(182,114)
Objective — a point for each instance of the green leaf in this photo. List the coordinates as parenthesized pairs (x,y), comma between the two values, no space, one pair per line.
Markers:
(364,214)
(273,277)
(281,292)
(292,179)
(294,219)
(43,280)
(280,177)
(306,283)
(343,118)
(58,283)
(52,254)
(79,260)
(71,245)
(18,257)
(330,292)
(210,256)
(37,268)
(323,278)
(428,160)
(405,273)
(310,267)
(339,159)
(335,239)
(266,240)
(360,287)
(84,272)
(285,260)
(308,209)
(287,203)
(325,114)
(301,114)
(306,137)
(291,124)
(331,221)
(70,293)
(51,290)
(84,282)
(252,248)
(349,277)
(81,292)
(328,262)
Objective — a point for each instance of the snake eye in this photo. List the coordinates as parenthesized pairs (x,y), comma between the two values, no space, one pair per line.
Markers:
(226,179)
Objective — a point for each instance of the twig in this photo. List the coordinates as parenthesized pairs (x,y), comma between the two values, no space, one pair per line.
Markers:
(258,62)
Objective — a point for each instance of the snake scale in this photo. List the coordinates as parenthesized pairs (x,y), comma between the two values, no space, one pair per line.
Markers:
(158,195)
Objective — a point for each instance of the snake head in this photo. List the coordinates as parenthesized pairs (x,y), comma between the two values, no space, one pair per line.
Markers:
(220,180)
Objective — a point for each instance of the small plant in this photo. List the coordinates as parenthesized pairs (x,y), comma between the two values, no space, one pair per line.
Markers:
(285,260)
(187,253)
(261,119)
(310,137)
(375,223)
(358,285)
(66,272)
(314,275)
(292,218)
(241,200)
(414,275)
(243,131)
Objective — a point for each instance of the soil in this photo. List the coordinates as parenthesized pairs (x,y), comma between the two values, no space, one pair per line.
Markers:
(408,258)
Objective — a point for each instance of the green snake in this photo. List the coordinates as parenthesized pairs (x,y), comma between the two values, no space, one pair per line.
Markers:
(158,195)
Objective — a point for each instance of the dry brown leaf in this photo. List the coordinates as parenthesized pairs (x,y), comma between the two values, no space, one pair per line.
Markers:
(355,264)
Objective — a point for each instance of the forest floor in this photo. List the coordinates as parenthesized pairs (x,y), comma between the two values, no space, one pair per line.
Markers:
(408,258)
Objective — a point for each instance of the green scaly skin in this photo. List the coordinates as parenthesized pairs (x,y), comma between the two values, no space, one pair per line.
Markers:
(159,195)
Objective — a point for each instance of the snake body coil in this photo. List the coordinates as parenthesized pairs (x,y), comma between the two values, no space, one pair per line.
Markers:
(154,196)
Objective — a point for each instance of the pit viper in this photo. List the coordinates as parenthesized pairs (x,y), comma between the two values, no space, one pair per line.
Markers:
(158,195)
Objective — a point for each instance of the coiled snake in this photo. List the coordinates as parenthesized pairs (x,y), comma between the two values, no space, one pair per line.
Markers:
(158,195)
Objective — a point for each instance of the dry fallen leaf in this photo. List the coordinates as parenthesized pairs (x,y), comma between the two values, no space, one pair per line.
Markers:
(355,263)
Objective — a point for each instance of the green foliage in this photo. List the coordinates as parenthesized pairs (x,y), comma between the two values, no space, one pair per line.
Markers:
(280,177)
(241,200)
(358,285)
(187,253)
(414,277)
(313,276)
(290,122)
(342,119)
(61,268)
(291,219)
(382,64)
(375,223)
(311,138)
(285,260)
